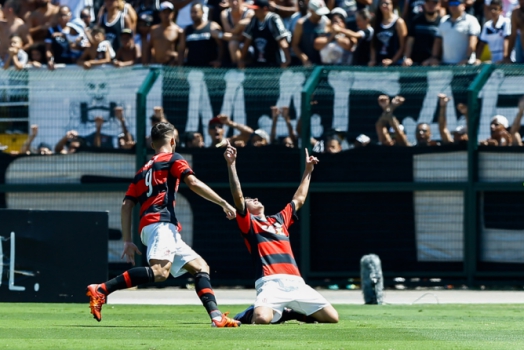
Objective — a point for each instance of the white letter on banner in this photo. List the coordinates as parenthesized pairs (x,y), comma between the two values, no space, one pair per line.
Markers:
(343,82)
(233,104)
(438,82)
(199,104)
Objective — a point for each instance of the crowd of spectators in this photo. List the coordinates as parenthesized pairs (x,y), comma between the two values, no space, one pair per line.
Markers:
(259,33)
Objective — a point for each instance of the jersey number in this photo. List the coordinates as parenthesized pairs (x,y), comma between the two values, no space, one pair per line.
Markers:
(149,178)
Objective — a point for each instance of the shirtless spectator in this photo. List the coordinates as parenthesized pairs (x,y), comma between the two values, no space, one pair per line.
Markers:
(515,127)
(43,18)
(234,20)
(197,48)
(460,134)
(499,133)
(216,131)
(100,52)
(163,38)
(58,49)
(387,120)
(15,57)
(13,25)
(26,9)
(129,53)
(516,39)
(290,140)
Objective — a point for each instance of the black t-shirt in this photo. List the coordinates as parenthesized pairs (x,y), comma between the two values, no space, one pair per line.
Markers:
(201,47)
(386,41)
(361,56)
(59,45)
(424,33)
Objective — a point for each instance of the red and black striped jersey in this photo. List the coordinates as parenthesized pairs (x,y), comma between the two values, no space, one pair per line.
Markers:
(268,241)
(155,187)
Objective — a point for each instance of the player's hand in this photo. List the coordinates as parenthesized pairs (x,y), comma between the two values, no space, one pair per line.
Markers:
(129,252)
(311,161)
(231,212)
(230,154)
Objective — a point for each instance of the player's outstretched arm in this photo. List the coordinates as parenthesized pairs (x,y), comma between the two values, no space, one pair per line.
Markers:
(206,192)
(230,155)
(129,247)
(301,194)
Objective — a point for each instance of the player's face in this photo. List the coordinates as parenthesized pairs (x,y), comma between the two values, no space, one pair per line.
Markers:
(253,205)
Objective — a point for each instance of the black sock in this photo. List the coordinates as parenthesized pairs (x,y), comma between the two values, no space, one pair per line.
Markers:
(130,278)
(206,294)
(288,315)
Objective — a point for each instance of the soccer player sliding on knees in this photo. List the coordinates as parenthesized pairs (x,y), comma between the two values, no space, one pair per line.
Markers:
(154,187)
(282,294)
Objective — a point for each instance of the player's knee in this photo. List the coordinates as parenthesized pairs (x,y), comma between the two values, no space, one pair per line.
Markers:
(331,315)
(161,274)
(262,318)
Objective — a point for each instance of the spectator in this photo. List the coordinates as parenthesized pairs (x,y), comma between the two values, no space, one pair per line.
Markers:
(515,127)
(389,40)
(291,139)
(70,143)
(194,140)
(499,135)
(197,47)
(507,8)
(36,56)
(307,30)
(87,16)
(13,25)
(42,149)
(259,138)
(129,53)
(269,36)
(99,53)
(183,9)
(158,117)
(113,18)
(15,55)
(41,19)
(361,39)
(285,9)
(149,8)
(293,20)
(398,137)
(421,34)
(57,45)
(333,144)
(423,135)
(234,21)
(76,36)
(351,8)
(142,36)
(163,38)
(216,131)
(456,39)
(412,9)
(336,47)
(495,34)
(125,139)
(26,8)
(460,134)
(516,39)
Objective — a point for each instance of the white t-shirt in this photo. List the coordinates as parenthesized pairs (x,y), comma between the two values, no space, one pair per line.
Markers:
(507,6)
(455,37)
(494,36)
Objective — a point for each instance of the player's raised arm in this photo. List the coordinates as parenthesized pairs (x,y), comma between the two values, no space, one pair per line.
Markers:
(206,192)
(301,194)
(230,155)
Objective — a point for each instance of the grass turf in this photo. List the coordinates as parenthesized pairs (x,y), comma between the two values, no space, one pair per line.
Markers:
(70,326)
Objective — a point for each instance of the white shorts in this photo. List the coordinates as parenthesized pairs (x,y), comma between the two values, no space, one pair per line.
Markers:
(280,291)
(165,243)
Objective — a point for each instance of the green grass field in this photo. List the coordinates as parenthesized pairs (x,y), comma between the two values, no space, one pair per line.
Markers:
(70,326)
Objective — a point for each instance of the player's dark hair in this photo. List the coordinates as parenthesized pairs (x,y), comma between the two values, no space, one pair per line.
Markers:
(496,3)
(161,132)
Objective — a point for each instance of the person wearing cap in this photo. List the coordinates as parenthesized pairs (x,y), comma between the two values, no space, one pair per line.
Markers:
(163,38)
(516,39)
(495,33)
(422,31)
(387,119)
(316,24)
(460,134)
(499,133)
(197,47)
(58,49)
(456,37)
(75,34)
(268,36)
(389,39)
(129,53)
(259,138)
(217,132)
(13,25)
(515,127)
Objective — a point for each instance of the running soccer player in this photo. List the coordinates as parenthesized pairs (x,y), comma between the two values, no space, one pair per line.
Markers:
(155,187)
(282,294)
